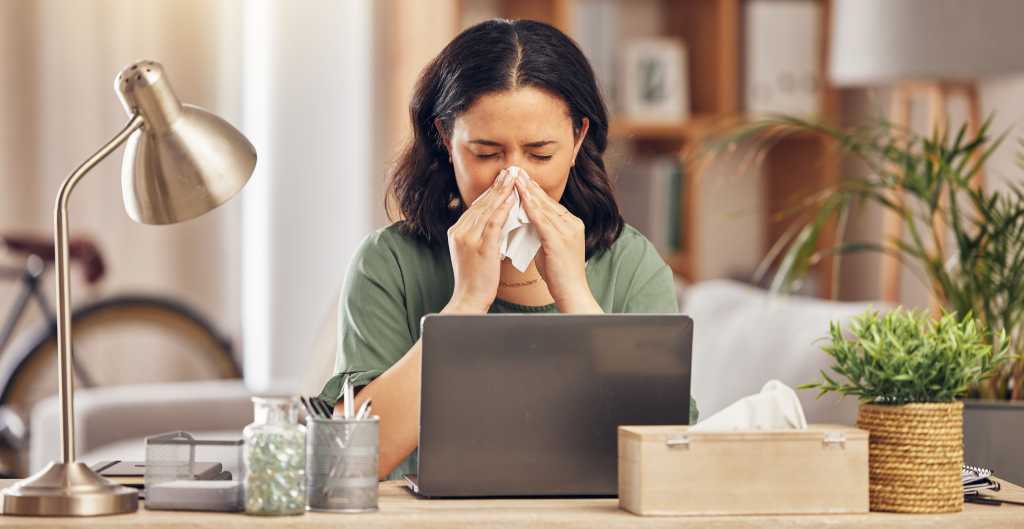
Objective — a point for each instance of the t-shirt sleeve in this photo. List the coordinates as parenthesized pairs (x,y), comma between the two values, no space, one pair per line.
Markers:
(651,288)
(373,329)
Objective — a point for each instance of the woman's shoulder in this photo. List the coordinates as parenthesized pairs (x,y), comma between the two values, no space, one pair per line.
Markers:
(631,236)
(631,276)
(631,245)
(632,256)
(395,245)
(405,267)
(392,238)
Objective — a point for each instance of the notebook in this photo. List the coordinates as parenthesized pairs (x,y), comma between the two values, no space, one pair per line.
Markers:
(977,480)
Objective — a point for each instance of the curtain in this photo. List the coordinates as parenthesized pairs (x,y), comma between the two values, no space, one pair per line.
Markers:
(58,59)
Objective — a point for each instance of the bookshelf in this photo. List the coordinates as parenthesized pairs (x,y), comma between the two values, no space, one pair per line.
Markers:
(680,132)
(713,32)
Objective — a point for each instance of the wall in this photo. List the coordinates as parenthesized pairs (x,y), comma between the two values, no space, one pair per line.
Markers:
(307,107)
(403,47)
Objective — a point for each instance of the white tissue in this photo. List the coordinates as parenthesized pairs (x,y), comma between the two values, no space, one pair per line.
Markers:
(519,240)
(776,407)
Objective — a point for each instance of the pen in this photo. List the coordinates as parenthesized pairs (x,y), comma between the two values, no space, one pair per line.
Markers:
(364,409)
(988,500)
(349,398)
(309,410)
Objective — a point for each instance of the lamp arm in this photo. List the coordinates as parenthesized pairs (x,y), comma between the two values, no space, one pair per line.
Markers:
(65,384)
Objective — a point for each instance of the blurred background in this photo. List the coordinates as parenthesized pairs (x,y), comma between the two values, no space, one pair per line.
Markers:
(321,88)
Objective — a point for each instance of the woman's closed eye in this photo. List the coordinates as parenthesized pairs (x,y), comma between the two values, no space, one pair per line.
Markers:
(488,156)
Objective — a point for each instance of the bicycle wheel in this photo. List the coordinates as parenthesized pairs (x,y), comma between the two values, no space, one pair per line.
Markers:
(121,340)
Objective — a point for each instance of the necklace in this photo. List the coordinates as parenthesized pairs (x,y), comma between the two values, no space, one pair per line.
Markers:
(519,284)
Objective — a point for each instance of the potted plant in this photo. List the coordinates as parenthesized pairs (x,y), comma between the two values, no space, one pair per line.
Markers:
(982,271)
(908,370)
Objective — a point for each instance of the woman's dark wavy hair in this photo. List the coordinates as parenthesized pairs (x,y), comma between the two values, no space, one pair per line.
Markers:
(490,57)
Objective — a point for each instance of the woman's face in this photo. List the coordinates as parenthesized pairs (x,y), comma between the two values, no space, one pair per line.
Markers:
(526,127)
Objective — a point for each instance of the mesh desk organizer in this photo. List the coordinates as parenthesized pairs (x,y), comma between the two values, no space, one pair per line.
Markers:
(185,473)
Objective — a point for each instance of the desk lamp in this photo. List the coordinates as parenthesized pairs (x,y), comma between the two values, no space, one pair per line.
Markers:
(180,162)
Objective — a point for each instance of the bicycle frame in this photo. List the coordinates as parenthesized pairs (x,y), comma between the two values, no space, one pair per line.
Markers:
(29,277)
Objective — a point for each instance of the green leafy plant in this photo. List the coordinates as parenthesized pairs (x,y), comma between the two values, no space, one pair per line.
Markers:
(905,356)
(982,270)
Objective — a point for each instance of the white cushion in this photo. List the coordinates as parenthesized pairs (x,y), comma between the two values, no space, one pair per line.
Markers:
(109,415)
(745,336)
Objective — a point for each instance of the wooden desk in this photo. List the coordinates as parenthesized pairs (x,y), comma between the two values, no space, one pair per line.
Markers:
(398,508)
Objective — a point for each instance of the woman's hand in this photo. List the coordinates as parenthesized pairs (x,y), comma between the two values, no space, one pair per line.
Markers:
(562,256)
(476,255)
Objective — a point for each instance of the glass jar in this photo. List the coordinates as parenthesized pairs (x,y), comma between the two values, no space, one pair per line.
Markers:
(275,458)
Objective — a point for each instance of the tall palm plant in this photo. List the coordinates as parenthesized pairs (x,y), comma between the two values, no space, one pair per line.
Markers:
(982,273)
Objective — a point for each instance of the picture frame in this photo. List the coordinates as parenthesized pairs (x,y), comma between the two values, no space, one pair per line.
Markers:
(654,81)
(781,51)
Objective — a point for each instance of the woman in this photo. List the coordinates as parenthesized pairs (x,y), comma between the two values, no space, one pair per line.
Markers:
(501,94)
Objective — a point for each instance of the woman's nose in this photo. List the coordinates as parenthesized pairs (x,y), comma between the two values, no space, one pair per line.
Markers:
(514,158)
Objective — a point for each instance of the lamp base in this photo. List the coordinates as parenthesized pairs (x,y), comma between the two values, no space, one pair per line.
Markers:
(68,489)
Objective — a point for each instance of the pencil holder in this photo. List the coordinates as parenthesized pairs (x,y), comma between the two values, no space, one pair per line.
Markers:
(341,469)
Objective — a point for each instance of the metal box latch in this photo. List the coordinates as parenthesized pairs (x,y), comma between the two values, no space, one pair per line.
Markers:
(678,441)
(835,439)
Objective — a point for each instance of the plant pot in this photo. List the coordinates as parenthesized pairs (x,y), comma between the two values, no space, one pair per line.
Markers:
(915,454)
(994,437)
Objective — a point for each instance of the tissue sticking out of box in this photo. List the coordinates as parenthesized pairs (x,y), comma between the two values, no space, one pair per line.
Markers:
(776,407)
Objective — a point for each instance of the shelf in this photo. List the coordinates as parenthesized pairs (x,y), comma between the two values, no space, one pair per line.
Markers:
(674,131)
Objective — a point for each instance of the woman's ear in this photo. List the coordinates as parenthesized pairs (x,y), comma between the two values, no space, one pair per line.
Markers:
(581,134)
(439,127)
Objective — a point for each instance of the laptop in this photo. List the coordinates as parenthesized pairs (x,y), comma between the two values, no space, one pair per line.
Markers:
(518,405)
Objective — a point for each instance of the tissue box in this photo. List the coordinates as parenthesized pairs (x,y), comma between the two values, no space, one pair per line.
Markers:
(665,470)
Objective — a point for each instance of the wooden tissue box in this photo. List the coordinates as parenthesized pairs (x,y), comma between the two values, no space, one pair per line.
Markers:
(665,470)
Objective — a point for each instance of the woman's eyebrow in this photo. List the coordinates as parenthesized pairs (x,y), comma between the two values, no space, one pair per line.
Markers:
(489,143)
(492,143)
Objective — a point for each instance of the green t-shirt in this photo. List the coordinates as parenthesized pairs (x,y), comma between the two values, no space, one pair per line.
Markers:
(395,279)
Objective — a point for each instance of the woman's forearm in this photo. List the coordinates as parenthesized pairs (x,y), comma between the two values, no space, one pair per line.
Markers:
(396,400)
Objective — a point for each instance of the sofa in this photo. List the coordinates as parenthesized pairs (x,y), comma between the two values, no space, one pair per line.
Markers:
(113,422)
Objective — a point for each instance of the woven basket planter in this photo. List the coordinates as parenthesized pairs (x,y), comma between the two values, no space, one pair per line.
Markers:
(915,454)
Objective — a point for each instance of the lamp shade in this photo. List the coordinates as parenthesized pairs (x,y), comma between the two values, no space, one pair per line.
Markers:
(184,161)
(883,41)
